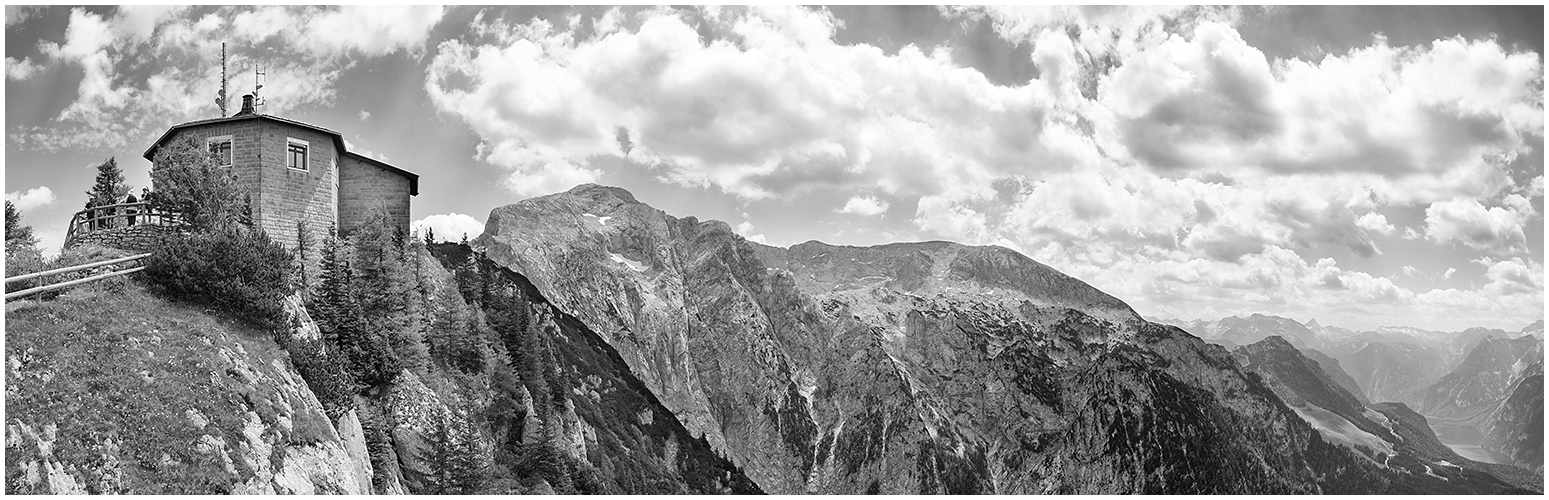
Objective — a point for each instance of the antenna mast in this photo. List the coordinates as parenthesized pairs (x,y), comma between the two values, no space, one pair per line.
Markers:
(259,76)
(220,97)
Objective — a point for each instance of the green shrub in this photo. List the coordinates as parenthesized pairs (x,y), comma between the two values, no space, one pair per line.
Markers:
(325,374)
(230,267)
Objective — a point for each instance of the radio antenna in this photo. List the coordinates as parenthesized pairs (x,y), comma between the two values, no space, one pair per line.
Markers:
(220,97)
(259,77)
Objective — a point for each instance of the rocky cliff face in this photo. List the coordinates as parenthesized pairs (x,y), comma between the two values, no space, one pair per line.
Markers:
(909,368)
(116,391)
(1482,379)
(1516,427)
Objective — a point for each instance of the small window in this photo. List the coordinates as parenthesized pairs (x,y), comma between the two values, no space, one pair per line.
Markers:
(220,150)
(296,154)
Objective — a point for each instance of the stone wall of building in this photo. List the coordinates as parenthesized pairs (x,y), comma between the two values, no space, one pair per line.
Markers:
(365,188)
(281,196)
(288,196)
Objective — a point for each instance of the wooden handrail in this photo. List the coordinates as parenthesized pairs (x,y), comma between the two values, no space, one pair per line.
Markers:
(82,281)
(81,267)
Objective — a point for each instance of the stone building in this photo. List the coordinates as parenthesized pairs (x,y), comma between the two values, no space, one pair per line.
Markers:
(298,172)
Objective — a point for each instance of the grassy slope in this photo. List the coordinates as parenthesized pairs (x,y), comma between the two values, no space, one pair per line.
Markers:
(120,372)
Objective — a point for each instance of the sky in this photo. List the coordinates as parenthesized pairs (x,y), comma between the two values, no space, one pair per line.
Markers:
(1361,166)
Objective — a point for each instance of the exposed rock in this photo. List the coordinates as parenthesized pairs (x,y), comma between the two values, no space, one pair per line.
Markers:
(1482,380)
(354,440)
(1516,427)
(414,412)
(302,326)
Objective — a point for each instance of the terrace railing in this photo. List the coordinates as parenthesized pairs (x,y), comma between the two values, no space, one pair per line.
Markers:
(118,216)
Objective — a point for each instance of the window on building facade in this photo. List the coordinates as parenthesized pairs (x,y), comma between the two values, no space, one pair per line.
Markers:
(296,154)
(220,150)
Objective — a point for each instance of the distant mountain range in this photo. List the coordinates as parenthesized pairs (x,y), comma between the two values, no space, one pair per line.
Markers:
(1390,434)
(1485,379)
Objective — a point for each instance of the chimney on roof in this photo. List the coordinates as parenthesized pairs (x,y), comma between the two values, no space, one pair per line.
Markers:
(247,105)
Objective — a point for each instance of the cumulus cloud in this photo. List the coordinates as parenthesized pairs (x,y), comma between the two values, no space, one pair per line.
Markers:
(864,205)
(449,227)
(121,101)
(30,199)
(776,106)
(746,230)
(1495,229)
(19,70)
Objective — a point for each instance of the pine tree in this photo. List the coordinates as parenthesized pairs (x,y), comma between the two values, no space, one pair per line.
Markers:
(343,320)
(331,292)
(109,187)
(385,290)
(18,236)
(441,449)
(430,235)
(303,245)
(471,459)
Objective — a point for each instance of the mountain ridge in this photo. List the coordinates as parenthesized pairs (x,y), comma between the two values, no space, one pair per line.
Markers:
(926,367)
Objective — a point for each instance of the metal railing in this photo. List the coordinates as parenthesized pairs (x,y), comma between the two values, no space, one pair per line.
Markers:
(117,216)
(83,267)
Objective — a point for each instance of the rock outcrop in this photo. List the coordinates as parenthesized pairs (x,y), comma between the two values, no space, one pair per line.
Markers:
(1482,379)
(127,393)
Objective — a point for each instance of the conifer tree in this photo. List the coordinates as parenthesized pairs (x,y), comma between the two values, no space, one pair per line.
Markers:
(471,459)
(303,246)
(18,236)
(109,186)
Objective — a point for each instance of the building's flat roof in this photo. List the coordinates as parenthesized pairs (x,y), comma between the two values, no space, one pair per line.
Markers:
(338,142)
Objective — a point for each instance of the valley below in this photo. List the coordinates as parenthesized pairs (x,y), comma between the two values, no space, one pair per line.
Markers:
(1467,442)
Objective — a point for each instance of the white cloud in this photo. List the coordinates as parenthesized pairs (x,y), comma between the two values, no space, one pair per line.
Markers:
(15,14)
(365,115)
(1410,271)
(777,107)
(1494,229)
(32,198)
(119,104)
(746,230)
(20,70)
(864,205)
(449,227)
(1375,223)
(1448,275)
(955,220)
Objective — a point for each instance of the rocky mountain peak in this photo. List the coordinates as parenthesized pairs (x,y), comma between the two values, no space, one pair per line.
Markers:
(600,192)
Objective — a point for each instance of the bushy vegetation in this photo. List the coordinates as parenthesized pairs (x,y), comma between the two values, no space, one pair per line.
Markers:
(219,260)
(233,268)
